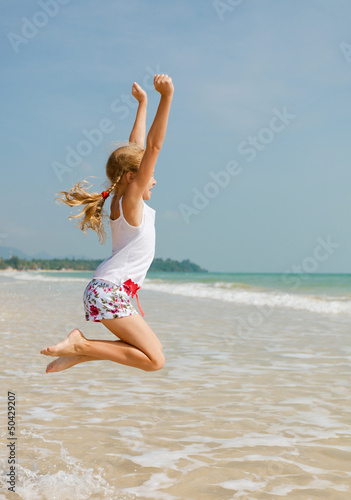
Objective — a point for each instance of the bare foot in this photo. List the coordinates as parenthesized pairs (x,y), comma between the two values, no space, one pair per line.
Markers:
(67,347)
(63,363)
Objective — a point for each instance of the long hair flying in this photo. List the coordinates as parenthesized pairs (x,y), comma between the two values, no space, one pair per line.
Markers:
(126,158)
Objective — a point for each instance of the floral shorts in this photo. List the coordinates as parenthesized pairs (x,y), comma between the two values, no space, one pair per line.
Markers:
(105,300)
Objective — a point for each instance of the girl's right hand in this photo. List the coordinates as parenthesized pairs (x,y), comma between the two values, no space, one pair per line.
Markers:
(164,85)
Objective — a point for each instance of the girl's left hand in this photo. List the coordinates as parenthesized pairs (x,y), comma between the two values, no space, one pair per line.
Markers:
(138,93)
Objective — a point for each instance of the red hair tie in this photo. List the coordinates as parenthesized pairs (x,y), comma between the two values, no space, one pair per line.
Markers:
(105,194)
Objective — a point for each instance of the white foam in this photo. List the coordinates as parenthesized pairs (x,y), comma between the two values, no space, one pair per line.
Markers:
(242,485)
(316,484)
(40,413)
(318,418)
(165,458)
(280,460)
(255,439)
(298,355)
(268,299)
(36,276)
(61,486)
(151,488)
(75,482)
(79,484)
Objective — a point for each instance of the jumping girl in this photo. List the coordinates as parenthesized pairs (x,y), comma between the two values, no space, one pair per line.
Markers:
(130,171)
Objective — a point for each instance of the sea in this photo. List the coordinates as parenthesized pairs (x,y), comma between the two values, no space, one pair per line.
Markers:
(253,401)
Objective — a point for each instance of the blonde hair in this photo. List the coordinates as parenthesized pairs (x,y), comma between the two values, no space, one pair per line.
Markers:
(126,158)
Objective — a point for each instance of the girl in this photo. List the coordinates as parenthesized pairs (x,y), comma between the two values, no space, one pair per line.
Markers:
(130,170)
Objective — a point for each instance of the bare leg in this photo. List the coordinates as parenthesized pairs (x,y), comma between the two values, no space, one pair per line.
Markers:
(65,362)
(139,346)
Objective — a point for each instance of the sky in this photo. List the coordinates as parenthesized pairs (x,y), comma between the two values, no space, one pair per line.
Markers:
(254,174)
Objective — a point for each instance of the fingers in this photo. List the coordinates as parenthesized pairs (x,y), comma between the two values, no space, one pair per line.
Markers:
(138,92)
(136,87)
(162,78)
(163,84)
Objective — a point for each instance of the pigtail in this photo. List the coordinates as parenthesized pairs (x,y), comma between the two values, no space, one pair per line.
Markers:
(92,215)
(114,185)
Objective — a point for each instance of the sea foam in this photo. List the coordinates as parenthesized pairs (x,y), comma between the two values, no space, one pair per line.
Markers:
(254,297)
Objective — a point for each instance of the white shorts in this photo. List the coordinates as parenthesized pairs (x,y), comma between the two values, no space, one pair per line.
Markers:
(106,300)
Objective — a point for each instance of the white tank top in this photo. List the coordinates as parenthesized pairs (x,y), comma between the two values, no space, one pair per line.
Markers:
(133,249)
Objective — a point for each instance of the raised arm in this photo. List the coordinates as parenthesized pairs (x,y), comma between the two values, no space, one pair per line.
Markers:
(164,85)
(138,132)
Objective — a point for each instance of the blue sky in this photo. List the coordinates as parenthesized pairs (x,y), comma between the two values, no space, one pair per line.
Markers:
(262,91)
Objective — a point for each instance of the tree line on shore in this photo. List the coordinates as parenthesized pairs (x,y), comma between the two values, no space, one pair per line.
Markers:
(158,265)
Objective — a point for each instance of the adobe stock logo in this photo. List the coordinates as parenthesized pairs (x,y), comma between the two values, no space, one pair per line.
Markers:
(346,50)
(293,278)
(211,190)
(249,148)
(222,7)
(278,122)
(40,19)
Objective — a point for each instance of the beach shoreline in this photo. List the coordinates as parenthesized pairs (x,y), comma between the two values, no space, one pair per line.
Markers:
(64,270)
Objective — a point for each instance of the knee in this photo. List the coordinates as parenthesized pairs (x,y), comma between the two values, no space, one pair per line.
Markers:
(157,362)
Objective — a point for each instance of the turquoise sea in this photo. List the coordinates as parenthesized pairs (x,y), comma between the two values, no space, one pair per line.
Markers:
(252,403)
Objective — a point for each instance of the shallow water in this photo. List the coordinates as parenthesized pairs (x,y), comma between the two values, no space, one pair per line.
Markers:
(254,412)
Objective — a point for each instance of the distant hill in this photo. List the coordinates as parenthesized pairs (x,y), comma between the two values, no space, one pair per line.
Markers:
(8,252)
(169,265)
(158,265)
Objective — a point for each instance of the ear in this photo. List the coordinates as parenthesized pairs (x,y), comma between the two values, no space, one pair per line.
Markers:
(129,177)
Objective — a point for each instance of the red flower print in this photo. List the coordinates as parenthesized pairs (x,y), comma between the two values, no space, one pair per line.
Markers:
(94,310)
(90,288)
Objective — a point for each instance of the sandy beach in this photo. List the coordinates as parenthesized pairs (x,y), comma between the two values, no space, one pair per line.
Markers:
(256,416)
